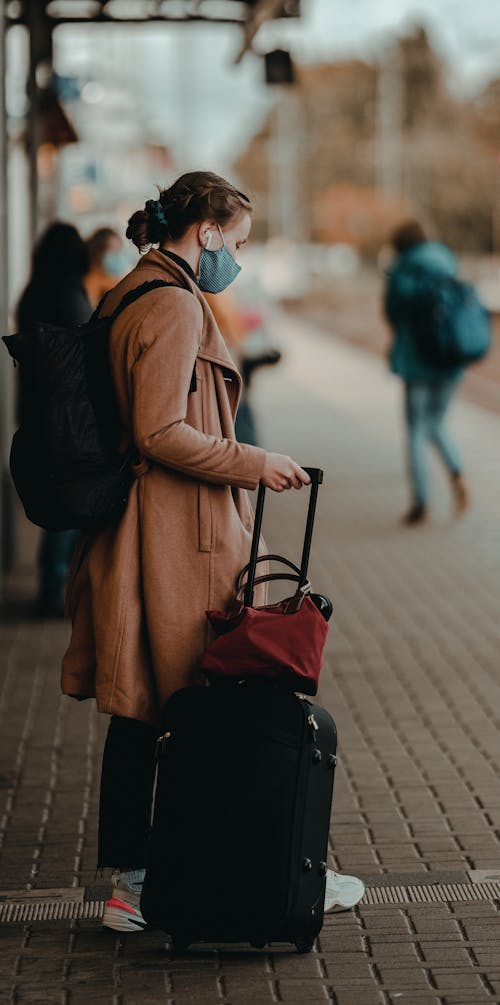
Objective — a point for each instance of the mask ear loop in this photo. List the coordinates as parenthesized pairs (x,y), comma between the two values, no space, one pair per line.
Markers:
(206,246)
(221,236)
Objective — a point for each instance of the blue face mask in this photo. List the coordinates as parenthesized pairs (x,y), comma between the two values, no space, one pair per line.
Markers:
(217,269)
(115,263)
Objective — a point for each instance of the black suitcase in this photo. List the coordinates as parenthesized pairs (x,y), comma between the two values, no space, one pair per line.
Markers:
(242,805)
(239,841)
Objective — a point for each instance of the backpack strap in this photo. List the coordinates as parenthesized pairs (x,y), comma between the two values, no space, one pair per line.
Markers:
(139,291)
(134,295)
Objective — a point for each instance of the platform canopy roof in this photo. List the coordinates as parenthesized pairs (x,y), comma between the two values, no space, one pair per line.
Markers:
(250,14)
(122,11)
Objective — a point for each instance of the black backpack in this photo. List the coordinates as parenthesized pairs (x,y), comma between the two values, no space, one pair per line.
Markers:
(65,460)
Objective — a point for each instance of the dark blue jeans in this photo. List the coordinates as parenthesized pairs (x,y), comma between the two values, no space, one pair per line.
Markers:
(54,559)
(426,405)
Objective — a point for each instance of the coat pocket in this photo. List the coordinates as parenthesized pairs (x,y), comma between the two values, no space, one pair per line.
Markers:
(205,520)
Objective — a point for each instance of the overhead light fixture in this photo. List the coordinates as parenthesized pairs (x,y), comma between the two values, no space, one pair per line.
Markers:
(279,67)
(258,14)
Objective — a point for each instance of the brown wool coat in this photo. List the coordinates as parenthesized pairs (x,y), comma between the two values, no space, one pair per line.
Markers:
(138,592)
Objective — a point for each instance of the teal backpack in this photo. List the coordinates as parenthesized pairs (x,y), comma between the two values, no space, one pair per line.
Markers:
(452,328)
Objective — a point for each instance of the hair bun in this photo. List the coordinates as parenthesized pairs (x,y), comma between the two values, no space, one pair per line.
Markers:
(194,197)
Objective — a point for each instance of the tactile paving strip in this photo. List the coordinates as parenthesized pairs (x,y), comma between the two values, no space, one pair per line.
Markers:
(15,912)
(50,910)
(432,893)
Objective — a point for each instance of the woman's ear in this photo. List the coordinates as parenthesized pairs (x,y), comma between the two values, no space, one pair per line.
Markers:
(205,234)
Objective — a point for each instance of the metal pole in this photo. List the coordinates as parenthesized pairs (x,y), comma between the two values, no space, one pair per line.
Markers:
(284,151)
(32,133)
(273,162)
(389,124)
(40,65)
(291,155)
(5,376)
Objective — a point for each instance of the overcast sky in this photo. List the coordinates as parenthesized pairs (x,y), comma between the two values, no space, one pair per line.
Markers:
(467,31)
(193,98)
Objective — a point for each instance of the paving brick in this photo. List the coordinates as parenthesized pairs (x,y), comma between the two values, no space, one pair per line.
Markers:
(359,997)
(428,924)
(404,979)
(339,942)
(414,696)
(461,979)
(380,920)
(304,991)
(399,953)
(445,955)
(422,998)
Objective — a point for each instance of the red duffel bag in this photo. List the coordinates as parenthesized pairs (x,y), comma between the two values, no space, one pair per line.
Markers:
(283,641)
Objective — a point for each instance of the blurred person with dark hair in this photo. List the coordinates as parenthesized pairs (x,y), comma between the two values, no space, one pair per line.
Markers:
(108,263)
(428,389)
(55,292)
(55,295)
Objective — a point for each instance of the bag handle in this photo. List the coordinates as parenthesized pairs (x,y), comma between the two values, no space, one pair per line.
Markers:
(265,558)
(291,604)
(316,476)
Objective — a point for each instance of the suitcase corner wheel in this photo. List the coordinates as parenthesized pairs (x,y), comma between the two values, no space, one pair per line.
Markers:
(304,945)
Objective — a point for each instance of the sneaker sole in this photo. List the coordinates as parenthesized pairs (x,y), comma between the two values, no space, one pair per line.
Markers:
(120,920)
(339,905)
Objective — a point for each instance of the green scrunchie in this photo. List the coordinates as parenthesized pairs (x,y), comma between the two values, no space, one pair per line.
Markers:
(155,210)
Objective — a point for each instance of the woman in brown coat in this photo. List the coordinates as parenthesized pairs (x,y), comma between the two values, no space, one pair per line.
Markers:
(138,591)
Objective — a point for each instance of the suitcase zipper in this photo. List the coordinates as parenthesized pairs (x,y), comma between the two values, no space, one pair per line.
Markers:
(160,743)
(158,751)
(248,731)
(310,723)
(296,862)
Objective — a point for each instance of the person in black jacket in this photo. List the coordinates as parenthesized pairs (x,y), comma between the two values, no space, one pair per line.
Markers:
(56,295)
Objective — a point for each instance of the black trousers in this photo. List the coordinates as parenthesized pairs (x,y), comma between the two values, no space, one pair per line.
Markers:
(127,778)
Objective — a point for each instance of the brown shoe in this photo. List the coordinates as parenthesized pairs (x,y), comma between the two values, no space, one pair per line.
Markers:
(417,514)
(461,493)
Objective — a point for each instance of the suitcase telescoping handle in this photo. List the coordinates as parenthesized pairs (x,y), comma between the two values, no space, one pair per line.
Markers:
(316,476)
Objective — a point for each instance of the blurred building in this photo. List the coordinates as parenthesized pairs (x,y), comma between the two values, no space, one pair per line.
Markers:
(374,141)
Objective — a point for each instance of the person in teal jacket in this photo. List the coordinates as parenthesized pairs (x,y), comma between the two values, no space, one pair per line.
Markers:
(428,390)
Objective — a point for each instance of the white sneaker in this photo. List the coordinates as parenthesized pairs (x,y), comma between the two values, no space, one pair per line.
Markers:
(122,911)
(342,892)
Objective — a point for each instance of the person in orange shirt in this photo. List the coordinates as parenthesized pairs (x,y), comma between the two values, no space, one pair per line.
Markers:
(108,263)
